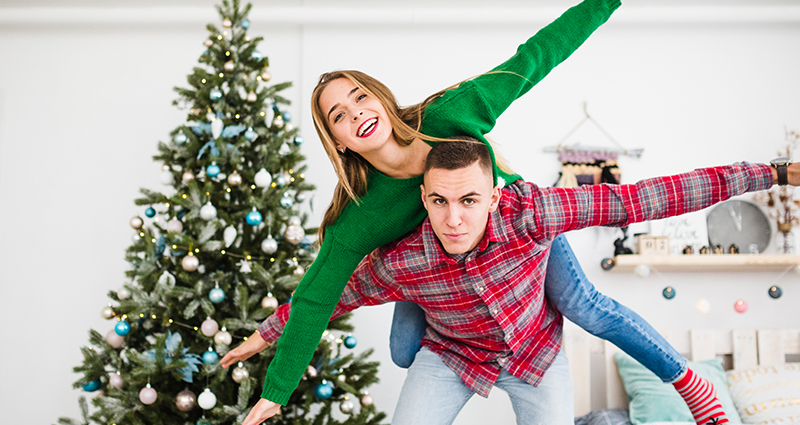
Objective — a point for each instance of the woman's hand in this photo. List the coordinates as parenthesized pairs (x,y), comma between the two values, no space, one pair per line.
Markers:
(254,345)
(262,411)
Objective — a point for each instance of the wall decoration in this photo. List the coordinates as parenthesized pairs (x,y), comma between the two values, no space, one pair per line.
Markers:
(782,206)
(687,230)
(741,223)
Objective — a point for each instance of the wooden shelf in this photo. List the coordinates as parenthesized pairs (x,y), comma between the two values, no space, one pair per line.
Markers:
(708,262)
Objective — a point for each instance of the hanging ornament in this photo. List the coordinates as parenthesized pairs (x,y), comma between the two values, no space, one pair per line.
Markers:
(185,400)
(256,55)
(166,177)
(311,372)
(223,337)
(288,127)
(115,380)
(187,177)
(114,340)
(136,222)
(190,263)
(300,197)
(207,400)
(216,127)
(366,399)
(239,373)
(775,292)
(294,221)
(228,35)
(269,302)
(136,237)
(235,179)
(253,217)
(245,24)
(287,116)
(216,295)
(323,391)
(278,121)
(266,76)
(229,235)
(740,306)
(92,386)
(668,292)
(252,97)
(281,180)
(179,138)
(227,23)
(299,271)
(123,293)
(284,149)
(208,43)
(263,178)
(212,170)
(174,225)
(210,357)
(215,94)
(346,406)
(148,395)
(244,266)
(208,212)
(122,328)
(228,66)
(209,327)
(350,341)
(287,202)
(298,140)
(269,245)
(250,134)
(107,312)
(702,306)
(294,234)
(150,212)
(642,270)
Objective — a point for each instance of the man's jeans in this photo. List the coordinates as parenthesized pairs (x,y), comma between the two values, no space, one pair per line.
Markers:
(433,394)
(577,299)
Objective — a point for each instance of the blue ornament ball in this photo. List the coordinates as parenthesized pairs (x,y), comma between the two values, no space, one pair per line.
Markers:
(179,138)
(210,357)
(256,55)
(250,134)
(92,386)
(207,53)
(150,212)
(215,95)
(287,201)
(122,328)
(254,218)
(298,140)
(287,116)
(775,292)
(323,391)
(245,23)
(212,170)
(668,292)
(350,341)
(216,295)
(280,181)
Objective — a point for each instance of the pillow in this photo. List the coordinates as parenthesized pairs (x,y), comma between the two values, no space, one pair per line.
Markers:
(604,417)
(654,401)
(766,394)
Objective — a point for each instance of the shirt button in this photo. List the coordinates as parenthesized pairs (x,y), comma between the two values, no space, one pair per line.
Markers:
(502,361)
(495,311)
(481,288)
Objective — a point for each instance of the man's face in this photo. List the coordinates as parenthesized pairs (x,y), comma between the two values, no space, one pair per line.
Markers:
(459,203)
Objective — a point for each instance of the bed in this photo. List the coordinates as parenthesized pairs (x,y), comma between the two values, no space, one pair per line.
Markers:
(754,369)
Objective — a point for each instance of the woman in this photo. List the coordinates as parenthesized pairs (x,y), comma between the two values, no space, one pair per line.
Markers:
(378,151)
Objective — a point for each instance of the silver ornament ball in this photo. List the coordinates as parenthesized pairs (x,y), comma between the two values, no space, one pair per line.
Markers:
(367,400)
(311,372)
(294,220)
(185,400)
(235,179)
(294,234)
(223,337)
(107,312)
(187,177)
(136,222)
(269,302)
(190,263)
(269,245)
(239,374)
(347,406)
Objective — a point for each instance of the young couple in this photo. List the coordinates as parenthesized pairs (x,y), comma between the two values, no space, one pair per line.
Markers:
(483,259)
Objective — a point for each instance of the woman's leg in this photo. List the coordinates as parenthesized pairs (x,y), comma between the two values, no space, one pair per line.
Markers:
(408,328)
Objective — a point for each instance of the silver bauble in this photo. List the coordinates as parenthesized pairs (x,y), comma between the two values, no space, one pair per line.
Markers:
(136,222)
(294,234)
(223,337)
(227,23)
(123,293)
(311,372)
(252,97)
(208,43)
(278,121)
(269,302)
(239,374)
(187,177)
(299,271)
(235,179)
(107,312)
(300,197)
(367,400)
(185,400)
(148,395)
(266,76)
(190,263)
(269,245)
(294,220)
(346,406)
(136,237)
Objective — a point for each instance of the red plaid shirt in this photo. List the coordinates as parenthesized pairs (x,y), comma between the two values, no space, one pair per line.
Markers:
(486,309)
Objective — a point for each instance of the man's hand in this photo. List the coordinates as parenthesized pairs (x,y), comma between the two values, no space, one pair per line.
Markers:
(254,345)
(262,411)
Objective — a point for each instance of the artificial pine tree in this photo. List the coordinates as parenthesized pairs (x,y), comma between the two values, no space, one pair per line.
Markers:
(213,258)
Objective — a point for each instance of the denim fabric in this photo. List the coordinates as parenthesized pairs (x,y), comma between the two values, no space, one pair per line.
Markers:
(567,287)
(434,394)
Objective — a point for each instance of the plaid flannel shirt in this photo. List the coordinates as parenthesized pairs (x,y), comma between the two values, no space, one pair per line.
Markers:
(486,309)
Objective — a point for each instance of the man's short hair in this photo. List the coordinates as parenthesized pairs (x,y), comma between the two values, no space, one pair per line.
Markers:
(460,153)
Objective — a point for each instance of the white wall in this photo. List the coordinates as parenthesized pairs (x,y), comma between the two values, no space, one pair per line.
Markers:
(83,104)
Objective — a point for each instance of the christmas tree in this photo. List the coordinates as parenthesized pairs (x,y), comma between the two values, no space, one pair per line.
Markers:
(213,258)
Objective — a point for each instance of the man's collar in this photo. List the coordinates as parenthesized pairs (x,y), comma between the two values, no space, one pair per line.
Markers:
(435,254)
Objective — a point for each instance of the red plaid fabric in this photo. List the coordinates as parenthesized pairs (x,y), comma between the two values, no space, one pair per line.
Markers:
(486,309)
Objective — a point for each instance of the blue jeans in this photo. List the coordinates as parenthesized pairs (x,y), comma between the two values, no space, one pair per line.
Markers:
(577,299)
(434,394)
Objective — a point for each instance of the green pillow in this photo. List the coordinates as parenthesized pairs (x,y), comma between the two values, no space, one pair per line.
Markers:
(654,401)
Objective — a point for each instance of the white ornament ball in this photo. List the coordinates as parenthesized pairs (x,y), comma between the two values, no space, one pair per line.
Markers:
(187,177)
(294,220)
(107,312)
(114,340)
(190,263)
(136,222)
(123,293)
(642,270)
(166,177)
(269,245)
(294,234)
(226,23)
(209,327)
(311,372)
(228,66)
(346,406)
(148,395)
(239,373)
(252,97)
(135,238)
(263,178)
(266,76)
(174,225)
(299,271)
(367,400)
(269,302)
(185,400)
(115,380)
(702,306)
(223,337)
(208,212)
(208,43)
(207,400)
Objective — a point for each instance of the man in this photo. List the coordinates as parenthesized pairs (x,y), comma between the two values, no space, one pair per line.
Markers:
(476,267)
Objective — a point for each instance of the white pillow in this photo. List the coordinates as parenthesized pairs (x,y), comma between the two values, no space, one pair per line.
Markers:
(766,394)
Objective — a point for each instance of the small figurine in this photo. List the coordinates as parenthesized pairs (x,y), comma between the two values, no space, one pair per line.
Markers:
(619,248)
(704,250)
(688,250)
(718,249)
(733,249)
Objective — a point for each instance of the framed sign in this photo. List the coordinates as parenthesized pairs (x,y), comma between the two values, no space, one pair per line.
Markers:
(687,229)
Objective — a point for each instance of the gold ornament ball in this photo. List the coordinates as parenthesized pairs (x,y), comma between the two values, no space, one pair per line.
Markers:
(269,302)
(227,23)
(252,97)
(136,222)
(185,400)
(223,337)
(190,263)
(187,177)
(228,66)
(266,76)
(235,179)
(107,312)
(239,374)
(294,234)
(278,121)
(367,400)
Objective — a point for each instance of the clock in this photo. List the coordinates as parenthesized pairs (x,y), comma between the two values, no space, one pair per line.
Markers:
(741,223)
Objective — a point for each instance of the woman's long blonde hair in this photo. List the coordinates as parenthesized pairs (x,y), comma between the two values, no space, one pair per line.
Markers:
(352,168)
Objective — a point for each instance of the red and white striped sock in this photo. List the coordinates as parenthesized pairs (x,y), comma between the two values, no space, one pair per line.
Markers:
(701,397)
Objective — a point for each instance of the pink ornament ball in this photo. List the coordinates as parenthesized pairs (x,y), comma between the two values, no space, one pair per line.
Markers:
(148,395)
(114,340)
(115,380)
(740,306)
(209,327)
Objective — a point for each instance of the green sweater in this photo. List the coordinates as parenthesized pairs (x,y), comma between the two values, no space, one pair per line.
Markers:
(392,207)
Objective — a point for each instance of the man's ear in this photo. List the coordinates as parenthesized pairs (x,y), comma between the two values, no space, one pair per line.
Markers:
(422,191)
(495,199)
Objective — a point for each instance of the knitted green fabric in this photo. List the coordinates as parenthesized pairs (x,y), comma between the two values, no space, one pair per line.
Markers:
(392,207)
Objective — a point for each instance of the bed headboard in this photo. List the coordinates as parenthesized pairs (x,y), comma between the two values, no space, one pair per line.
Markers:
(746,348)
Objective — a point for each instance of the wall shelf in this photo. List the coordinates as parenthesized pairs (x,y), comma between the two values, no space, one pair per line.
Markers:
(708,263)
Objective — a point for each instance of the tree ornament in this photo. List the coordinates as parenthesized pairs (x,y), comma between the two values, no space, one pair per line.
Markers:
(209,327)
(702,306)
(107,312)
(775,292)
(223,337)
(668,292)
(252,97)
(216,295)
(269,301)
(239,373)
(92,386)
(250,134)
(208,43)
(298,140)
(285,149)
(136,222)
(366,399)
(244,266)
(642,270)
(122,328)
(150,212)
(245,24)
(174,225)
(228,66)
(278,121)
(166,177)
(212,170)
(148,395)
(280,181)
(185,400)
(217,125)
(229,235)
(346,406)
(256,55)
(269,245)
(207,400)
(190,263)
(215,95)
(210,357)
(294,221)
(740,306)
(311,372)
(114,340)
(115,380)
(135,238)
(208,212)
(299,271)
(179,138)
(323,391)
(253,217)
(263,178)
(187,177)
(287,116)
(294,234)
(300,197)
(288,127)
(234,179)
(350,341)
(123,293)
(287,202)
